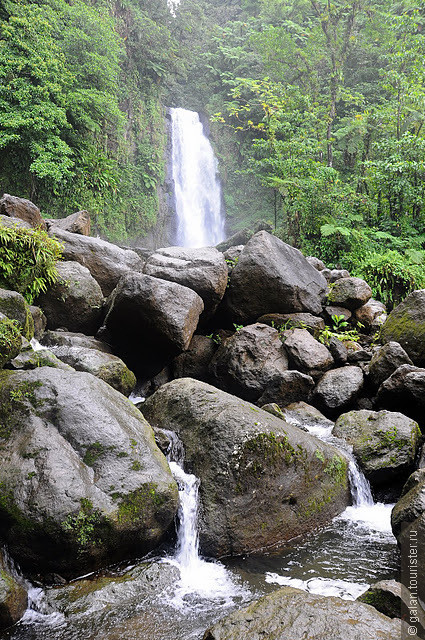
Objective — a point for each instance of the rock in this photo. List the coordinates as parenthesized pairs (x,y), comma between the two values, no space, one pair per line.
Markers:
(291,386)
(384,443)
(385,596)
(404,391)
(306,415)
(338,388)
(351,293)
(314,324)
(337,274)
(275,410)
(151,320)
(338,351)
(105,366)
(202,270)
(408,525)
(20,208)
(194,362)
(5,221)
(249,362)
(272,277)
(357,353)
(75,301)
(385,361)
(292,614)
(307,354)
(330,311)
(10,340)
(13,596)
(406,325)
(371,314)
(106,262)
(239,238)
(40,322)
(326,273)
(70,339)
(231,255)
(75,223)
(33,359)
(82,483)
(316,263)
(15,307)
(262,481)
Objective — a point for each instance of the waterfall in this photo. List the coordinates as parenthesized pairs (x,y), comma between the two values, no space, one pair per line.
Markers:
(197,190)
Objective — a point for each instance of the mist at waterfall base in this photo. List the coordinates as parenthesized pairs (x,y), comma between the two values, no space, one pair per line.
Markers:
(356,549)
(197,191)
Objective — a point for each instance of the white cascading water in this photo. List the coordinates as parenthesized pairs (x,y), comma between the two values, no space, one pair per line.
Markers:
(200,581)
(197,190)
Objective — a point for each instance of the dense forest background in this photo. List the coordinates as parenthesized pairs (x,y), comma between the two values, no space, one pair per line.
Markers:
(317,111)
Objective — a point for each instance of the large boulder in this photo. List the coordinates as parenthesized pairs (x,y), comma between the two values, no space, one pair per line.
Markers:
(249,362)
(384,443)
(106,262)
(272,277)
(150,320)
(71,339)
(203,270)
(338,389)
(75,301)
(292,614)
(15,307)
(14,207)
(290,386)
(406,325)
(351,293)
(78,222)
(105,366)
(306,353)
(262,481)
(404,391)
(82,483)
(385,361)
(194,363)
(385,596)
(40,322)
(13,595)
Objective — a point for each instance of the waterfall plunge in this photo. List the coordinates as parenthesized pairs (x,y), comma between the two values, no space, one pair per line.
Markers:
(197,191)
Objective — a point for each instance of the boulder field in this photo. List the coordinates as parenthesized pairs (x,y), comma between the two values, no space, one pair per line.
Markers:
(238,349)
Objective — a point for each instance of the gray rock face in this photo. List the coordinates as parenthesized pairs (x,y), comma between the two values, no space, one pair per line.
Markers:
(406,325)
(15,307)
(70,339)
(40,322)
(351,293)
(306,353)
(249,362)
(13,596)
(106,262)
(231,255)
(105,366)
(338,388)
(338,350)
(151,320)
(290,386)
(75,223)
(384,443)
(202,270)
(385,361)
(404,391)
(75,301)
(20,208)
(256,471)
(272,277)
(82,481)
(316,263)
(28,358)
(294,321)
(306,415)
(194,363)
(337,311)
(372,314)
(337,274)
(5,221)
(291,614)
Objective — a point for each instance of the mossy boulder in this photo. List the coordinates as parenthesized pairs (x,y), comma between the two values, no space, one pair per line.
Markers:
(385,596)
(384,443)
(406,325)
(13,596)
(14,306)
(263,481)
(28,358)
(292,614)
(10,340)
(82,482)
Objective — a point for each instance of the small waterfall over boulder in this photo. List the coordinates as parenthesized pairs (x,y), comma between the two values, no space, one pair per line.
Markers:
(197,190)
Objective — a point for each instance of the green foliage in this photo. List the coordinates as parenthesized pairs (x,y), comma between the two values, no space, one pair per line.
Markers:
(28,260)
(82,526)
